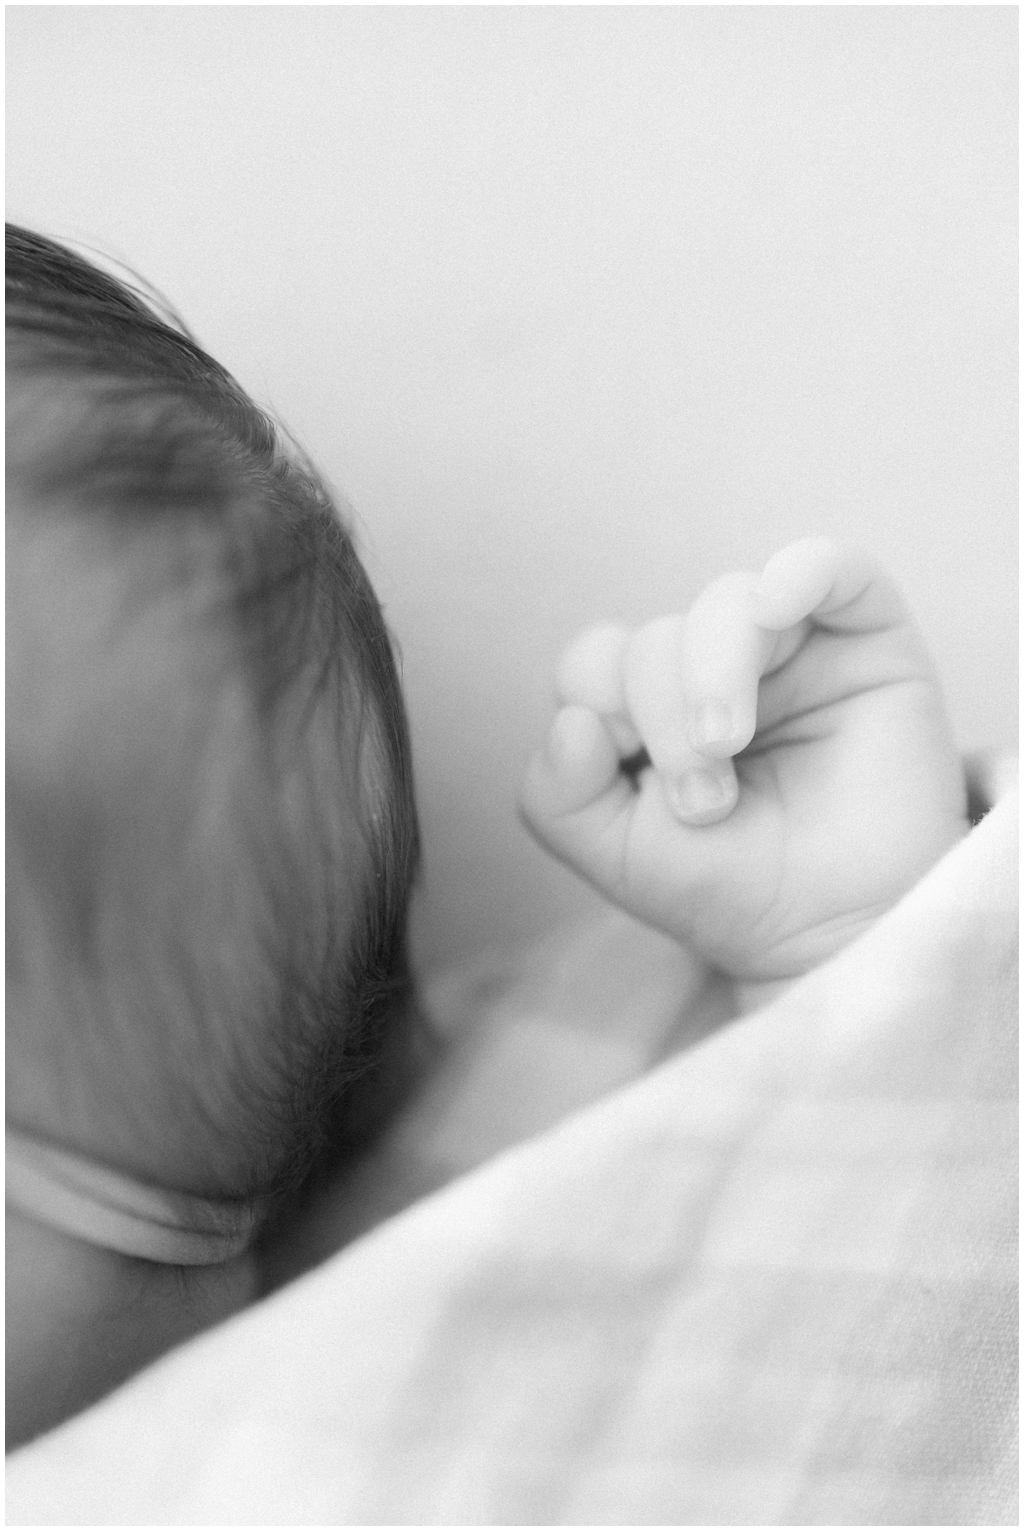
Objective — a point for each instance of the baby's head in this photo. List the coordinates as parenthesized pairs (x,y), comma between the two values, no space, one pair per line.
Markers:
(211,828)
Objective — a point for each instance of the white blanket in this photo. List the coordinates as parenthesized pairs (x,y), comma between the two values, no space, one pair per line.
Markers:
(770,1282)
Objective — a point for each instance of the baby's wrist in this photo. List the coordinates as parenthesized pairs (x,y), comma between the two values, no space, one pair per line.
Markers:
(818,946)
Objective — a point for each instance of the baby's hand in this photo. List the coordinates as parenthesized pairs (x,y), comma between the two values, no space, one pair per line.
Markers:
(762,777)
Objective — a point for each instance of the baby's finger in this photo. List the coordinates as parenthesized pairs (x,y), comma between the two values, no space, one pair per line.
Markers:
(699,790)
(590,674)
(723,655)
(578,766)
(835,586)
(575,799)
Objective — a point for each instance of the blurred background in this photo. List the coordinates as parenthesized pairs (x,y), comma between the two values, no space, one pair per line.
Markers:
(577,307)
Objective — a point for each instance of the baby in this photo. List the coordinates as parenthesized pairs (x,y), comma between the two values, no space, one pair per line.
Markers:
(211,835)
(760,778)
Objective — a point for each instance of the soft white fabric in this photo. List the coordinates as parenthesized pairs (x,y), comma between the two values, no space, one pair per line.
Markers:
(772,1282)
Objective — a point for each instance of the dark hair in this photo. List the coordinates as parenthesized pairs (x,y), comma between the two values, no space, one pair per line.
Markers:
(132,442)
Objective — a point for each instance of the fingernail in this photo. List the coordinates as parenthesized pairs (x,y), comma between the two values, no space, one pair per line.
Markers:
(698,794)
(712,723)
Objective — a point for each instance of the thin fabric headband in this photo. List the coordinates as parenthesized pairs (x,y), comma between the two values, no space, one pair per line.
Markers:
(76,1195)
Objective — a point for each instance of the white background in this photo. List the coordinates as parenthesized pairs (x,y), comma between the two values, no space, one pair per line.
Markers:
(578,306)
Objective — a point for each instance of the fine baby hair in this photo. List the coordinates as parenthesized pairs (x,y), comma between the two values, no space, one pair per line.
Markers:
(212,831)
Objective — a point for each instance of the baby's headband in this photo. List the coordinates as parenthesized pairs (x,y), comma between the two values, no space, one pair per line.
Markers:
(76,1195)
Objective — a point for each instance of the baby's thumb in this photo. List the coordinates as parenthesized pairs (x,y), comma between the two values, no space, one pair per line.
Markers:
(573,789)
